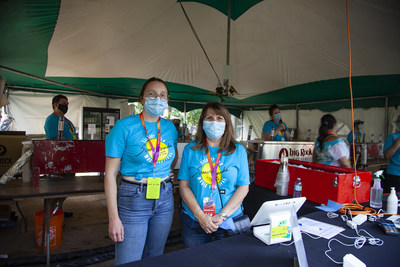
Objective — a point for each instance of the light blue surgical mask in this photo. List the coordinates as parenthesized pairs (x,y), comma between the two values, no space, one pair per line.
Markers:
(360,127)
(155,106)
(278,116)
(214,129)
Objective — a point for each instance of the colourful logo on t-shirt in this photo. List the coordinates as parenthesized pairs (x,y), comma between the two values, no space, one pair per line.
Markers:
(163,149)
(206,174)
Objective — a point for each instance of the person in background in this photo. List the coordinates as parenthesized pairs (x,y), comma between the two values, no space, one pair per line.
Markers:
(177,123)
(358,124)
(60,108)
(281,131)
(143,149)
(329,148)
(216,161)
(391,151)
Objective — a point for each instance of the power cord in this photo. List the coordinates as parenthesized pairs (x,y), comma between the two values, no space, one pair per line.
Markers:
(359,242)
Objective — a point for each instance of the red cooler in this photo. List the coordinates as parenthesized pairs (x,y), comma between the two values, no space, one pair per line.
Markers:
(320,182)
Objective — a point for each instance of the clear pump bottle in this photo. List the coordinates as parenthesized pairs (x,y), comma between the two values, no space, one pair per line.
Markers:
(375,200)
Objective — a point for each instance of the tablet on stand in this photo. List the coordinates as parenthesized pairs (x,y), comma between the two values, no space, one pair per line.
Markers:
(276,221)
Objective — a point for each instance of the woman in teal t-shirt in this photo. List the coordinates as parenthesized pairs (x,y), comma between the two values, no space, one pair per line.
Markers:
(275,128)
(142,148)
(213,178)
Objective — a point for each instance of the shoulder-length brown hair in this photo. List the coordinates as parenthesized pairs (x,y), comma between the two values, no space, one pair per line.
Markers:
(228,142)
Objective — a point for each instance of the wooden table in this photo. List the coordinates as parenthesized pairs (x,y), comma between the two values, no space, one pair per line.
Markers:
(50,188)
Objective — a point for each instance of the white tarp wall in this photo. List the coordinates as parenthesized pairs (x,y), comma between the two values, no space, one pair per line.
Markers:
(374,121)
(30,110)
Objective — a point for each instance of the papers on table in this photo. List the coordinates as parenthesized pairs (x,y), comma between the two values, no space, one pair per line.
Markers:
(317,228)
(331,206)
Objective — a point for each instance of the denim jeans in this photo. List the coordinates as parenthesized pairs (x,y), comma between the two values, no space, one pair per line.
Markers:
(194,235)
(146,222)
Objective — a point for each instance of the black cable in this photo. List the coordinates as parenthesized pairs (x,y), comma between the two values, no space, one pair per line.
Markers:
(198,39)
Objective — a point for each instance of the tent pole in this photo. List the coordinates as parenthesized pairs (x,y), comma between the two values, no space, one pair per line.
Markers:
(241,120)
(2,86)
(297,123)
(228,42)
(386,116)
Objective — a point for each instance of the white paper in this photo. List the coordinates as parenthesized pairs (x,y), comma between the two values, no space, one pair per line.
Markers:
(395,219)
(91,128)
(318,228)
(111,120)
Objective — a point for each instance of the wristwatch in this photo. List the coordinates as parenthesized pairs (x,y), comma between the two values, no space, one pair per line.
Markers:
(223,216)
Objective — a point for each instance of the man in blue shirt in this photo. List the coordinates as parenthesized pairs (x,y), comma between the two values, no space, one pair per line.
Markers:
(392,152)
(60,108)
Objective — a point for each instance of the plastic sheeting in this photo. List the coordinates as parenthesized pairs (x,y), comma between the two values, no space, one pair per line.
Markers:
(30,110)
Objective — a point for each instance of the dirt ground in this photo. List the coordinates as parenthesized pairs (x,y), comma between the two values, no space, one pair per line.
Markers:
(86,230)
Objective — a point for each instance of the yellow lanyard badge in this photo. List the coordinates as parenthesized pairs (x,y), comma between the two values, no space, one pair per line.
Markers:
(153,188)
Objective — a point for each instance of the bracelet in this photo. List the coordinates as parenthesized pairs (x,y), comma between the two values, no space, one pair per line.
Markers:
(196,212)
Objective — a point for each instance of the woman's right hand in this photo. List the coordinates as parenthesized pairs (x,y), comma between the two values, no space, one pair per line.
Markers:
(281,127)
(206,223)
(116,230)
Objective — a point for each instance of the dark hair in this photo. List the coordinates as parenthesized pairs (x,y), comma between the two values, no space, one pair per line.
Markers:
(56,99)
(228,142)
(272,108)
(152,79)
(327,122)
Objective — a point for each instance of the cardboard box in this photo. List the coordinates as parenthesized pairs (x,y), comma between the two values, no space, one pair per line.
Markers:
(10,150)
(320,182)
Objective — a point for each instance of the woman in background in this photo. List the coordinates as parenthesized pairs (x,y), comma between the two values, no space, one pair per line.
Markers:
(329,148)
(213,178)
(275,128)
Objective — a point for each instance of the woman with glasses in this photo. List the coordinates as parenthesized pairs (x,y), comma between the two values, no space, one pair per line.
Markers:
(213,178)
(142,148)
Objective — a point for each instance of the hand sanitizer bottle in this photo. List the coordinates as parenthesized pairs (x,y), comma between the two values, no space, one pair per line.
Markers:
(375,200)
(392,202)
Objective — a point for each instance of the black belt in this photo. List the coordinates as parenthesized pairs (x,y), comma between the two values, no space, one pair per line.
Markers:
(168,180)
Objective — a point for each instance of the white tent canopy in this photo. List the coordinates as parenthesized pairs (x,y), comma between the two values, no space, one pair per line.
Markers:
(275,44)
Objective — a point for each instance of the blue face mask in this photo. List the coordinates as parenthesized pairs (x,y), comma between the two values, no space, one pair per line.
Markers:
(278,116)
(155,107)
(360,127)
(213,129)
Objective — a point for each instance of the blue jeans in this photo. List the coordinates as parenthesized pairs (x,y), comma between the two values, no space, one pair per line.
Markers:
(194,235)
(146,222)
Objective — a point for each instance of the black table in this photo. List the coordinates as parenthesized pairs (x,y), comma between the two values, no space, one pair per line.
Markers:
(247,250)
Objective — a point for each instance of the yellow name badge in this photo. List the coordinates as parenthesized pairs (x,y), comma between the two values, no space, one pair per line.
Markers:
(153,188)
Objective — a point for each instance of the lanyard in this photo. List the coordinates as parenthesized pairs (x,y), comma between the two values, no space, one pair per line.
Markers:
(358,137)
(156,152)
(213,169)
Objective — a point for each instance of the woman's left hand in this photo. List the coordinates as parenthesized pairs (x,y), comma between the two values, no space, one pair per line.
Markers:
(217,220)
